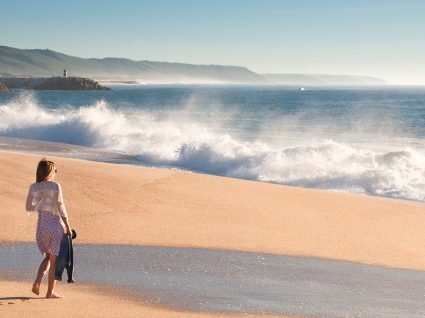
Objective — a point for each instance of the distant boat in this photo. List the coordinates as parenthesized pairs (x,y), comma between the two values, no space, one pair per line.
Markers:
(301,89)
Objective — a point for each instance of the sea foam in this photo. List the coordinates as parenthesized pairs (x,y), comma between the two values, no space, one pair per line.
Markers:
(191,145)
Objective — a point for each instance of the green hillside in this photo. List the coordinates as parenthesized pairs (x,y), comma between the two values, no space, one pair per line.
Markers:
(40,63)
(47,63)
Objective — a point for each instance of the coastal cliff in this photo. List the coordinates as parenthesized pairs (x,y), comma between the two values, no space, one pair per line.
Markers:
(53,83)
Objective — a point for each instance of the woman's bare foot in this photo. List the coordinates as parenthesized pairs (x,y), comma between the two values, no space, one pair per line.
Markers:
(36,289)
(53,295)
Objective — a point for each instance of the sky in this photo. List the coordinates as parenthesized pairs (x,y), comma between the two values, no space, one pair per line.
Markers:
(381,38)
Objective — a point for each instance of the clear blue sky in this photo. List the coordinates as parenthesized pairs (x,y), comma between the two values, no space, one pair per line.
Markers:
(367,37)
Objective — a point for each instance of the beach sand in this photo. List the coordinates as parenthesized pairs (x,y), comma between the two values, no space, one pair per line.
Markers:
(123,204)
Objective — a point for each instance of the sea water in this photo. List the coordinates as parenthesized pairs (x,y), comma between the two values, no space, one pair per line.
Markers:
(368,140)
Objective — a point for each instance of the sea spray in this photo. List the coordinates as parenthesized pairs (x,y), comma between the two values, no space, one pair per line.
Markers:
(163,138)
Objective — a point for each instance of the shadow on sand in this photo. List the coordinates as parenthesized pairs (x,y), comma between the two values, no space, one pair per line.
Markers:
(21,298)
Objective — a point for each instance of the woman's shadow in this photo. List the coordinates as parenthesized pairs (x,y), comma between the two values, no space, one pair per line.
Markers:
(9,300)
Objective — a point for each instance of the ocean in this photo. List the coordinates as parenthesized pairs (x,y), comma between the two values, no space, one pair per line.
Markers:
(368,140)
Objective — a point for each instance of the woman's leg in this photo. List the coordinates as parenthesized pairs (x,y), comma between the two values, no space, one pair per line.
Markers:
(52,282)
(42,270)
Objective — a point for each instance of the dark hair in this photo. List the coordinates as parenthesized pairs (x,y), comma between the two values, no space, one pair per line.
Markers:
(44,170)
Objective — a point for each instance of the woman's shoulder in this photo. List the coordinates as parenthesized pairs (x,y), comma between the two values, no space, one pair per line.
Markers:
(45,185)
(54,184)
(33,186)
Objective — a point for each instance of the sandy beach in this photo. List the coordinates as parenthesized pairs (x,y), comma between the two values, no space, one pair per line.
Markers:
(121,204)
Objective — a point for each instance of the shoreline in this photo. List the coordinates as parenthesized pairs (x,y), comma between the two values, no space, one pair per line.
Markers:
(125,204)
(210,281)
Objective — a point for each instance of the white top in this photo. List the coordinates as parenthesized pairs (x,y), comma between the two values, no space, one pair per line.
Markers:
(46,196)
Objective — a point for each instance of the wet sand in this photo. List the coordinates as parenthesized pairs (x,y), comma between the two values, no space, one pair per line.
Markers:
(16,301)
(214,281)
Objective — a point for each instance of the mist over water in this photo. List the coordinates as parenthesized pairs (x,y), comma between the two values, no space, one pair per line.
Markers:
(368,141)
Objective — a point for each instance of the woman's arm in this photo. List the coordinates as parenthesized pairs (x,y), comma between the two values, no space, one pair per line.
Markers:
(65,220)
(29,206)
(62,210)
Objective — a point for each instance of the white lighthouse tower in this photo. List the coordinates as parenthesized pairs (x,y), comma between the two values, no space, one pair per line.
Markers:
(65,74)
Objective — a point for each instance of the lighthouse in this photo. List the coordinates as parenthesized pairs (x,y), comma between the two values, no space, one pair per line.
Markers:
(65,74)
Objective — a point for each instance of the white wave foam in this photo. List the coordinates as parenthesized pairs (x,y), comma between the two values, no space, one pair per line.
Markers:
(190,145)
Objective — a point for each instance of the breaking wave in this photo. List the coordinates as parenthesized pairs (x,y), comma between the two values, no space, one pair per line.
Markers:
(191,145)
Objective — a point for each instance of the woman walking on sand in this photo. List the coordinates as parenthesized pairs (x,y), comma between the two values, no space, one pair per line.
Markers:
(45,196)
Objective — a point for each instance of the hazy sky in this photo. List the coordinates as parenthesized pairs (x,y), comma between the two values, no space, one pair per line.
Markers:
(365,37)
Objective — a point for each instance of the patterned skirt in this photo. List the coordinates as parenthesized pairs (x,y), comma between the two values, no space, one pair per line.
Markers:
(49,233)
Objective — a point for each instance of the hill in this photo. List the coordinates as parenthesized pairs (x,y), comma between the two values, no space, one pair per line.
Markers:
(47,63)
(43,63)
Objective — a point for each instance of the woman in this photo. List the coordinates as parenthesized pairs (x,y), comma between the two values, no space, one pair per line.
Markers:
(45,196)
